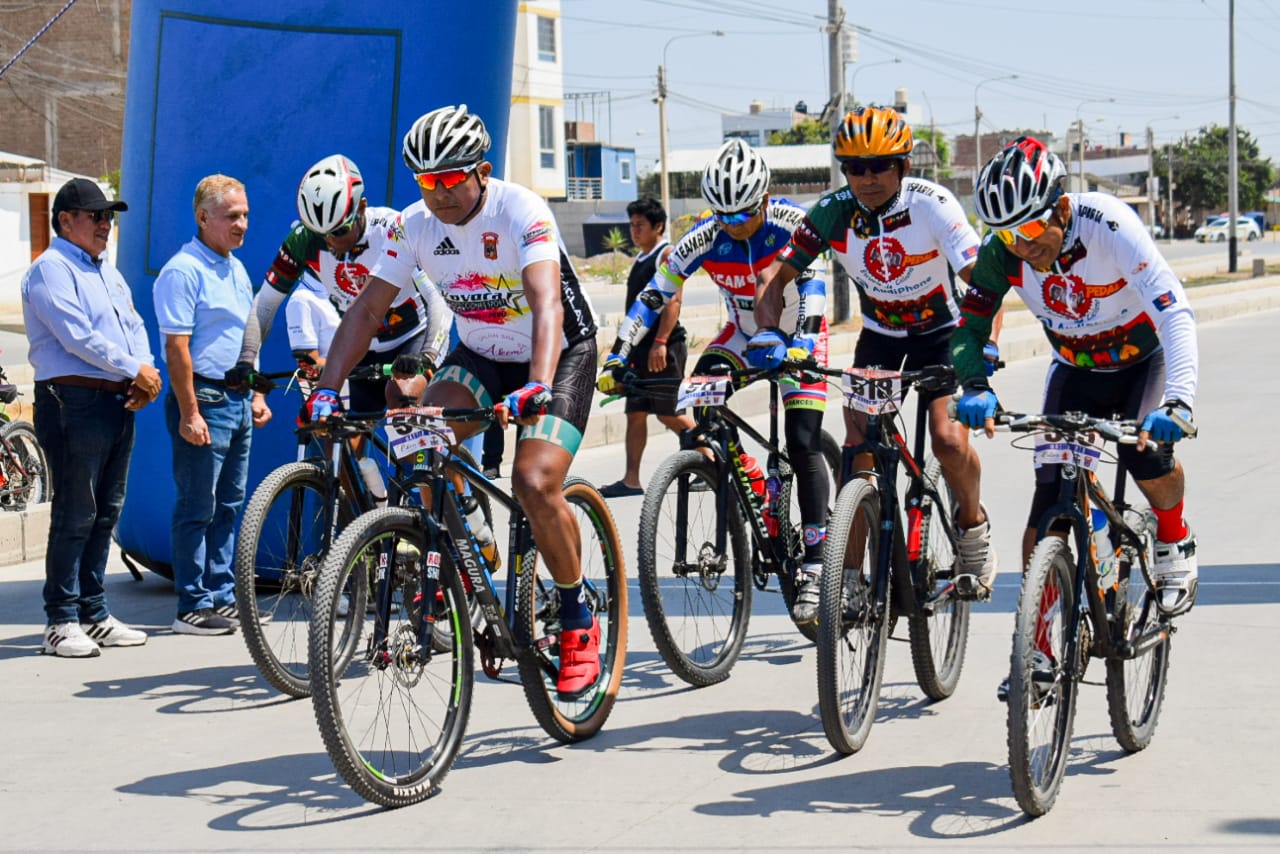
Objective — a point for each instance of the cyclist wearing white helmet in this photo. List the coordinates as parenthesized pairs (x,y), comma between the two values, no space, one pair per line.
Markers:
(526,335)
(904,241)
(334,243)
(1122,333)
(738,247)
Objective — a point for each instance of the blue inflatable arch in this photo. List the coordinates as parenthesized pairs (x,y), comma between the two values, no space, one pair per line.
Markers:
(261,91)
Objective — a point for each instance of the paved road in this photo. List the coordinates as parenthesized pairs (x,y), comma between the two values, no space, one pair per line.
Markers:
(180,746)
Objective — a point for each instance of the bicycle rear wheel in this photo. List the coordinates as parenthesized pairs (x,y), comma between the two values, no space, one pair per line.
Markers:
(938,629)
(1135,686)
(279,551)
(1042,690)
(26,469)
(604,578)
(697,603)
(853,622)
(393,720)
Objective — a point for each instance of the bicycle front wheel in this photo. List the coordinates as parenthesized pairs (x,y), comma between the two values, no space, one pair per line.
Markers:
(1042,688)
(938,627)
(853,621)
(392,721)
(697,599)
(26,469)
(1135,685)
(278,554)
(604,578)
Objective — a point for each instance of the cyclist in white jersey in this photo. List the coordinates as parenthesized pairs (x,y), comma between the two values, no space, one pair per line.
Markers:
(1122,332)
(335,242)
(904,241)
(526,337)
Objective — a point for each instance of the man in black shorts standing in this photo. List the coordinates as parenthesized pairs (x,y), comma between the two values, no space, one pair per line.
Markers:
(661,354)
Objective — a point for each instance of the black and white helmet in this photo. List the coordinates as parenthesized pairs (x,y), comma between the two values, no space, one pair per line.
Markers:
(736,180)
(1018,184)
(447,138)
(329,194)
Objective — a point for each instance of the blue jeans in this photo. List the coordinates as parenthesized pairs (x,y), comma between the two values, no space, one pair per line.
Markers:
(87,436)
(210,481)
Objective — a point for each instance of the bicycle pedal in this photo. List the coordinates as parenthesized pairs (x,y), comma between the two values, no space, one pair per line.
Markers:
(969,589)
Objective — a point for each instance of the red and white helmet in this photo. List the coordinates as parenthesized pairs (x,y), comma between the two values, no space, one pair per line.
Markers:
(330,194)
(1018,184)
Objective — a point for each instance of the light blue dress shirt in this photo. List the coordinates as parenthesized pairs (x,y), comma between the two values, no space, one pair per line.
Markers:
(207,296)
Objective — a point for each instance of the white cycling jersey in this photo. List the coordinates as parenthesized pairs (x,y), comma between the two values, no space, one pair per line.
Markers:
(477,268)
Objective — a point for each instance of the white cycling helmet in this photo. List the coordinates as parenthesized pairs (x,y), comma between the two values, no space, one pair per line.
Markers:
(1018,184)
(736,180)
(447,138)
(329,194)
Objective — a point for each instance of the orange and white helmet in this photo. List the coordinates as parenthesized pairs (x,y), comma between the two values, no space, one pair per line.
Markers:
(873,132)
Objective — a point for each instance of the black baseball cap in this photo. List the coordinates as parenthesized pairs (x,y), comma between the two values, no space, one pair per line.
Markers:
(81,194)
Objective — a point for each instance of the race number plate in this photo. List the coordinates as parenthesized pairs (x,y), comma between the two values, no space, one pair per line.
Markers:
(872,390)
(407,436)
(1086,457)
(703,391)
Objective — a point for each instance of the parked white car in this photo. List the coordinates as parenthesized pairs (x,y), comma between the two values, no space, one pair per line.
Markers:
(1215,230)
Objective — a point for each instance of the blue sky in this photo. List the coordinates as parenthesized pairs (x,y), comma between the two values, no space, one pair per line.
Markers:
(1136,62)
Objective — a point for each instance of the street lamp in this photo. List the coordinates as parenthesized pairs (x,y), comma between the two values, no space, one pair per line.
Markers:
(933,136)
(977,117)
(1079,123)
(1153,183)
(853,78)
(662,112)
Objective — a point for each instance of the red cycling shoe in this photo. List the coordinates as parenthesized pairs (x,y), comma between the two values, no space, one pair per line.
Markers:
(579,661)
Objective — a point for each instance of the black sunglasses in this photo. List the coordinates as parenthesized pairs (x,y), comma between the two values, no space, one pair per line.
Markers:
(101,216)
(874,165)
(345,229)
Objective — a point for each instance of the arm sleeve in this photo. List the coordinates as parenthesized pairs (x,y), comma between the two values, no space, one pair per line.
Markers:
(258,324)
(439,318)
(53,296)
(813,304)
(979,308)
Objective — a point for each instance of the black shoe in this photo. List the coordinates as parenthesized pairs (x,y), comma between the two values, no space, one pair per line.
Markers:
(203,622)
(232,612)
(618,489)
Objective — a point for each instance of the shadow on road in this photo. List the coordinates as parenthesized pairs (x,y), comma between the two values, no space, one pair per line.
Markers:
(199,691)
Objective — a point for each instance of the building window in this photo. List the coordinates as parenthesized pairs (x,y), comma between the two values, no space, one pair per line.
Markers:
(547,136)
(547,39)
(624,171)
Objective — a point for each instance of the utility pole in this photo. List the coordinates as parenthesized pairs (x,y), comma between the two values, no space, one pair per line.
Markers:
(662,138)
(1233,154)
(1170,188)
(835,23)
(1083,188)
(1153,183)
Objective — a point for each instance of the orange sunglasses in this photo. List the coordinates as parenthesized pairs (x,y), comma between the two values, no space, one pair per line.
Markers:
(1027,231)
(448,178)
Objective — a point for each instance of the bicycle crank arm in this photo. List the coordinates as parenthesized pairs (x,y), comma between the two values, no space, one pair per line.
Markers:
(1156,636)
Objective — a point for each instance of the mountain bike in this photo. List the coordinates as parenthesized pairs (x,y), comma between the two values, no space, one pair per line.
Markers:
(293,517)
(1072,609)
(393,719)
(877,568)
(24,470)
(707,538)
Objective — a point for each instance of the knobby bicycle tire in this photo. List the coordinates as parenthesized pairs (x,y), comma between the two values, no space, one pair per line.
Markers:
(853,621)
(279,551)
(938,639)
(1136,686)
(391,723)
(538,619)
(698,604)
(26,469)
(1042,710)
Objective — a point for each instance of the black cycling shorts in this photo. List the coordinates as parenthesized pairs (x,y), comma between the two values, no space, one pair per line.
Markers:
(659,399)
(909,353)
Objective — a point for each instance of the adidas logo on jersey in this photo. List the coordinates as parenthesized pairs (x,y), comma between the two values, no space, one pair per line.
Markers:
(446,247)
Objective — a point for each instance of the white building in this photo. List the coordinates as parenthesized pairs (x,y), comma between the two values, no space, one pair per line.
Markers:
(27,188)
(535,140)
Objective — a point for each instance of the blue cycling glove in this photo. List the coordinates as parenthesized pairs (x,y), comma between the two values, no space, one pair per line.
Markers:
(767,349)
(990,355)
(975,407)
(1162,424)
(322,403)
(807,340)
(528,401)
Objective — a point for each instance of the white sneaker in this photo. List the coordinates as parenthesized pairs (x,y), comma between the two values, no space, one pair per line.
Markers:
(1177,575)
(808,594)
(112,632)
(975,556)
(68,640)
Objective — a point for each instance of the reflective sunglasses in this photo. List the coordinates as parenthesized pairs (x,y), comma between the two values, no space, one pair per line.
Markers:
(737,218)
(1027,231)
(448,178)
(874,165)
(347,224)
(101,216)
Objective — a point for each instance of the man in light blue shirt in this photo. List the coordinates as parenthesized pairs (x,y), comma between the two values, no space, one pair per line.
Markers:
(93,369)
(202,298)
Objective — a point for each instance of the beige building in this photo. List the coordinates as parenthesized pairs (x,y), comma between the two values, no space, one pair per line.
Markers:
(535,139)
